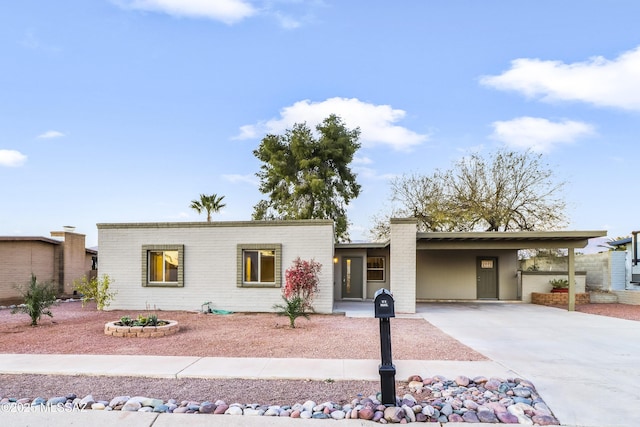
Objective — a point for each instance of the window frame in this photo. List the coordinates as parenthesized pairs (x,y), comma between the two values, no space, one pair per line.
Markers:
(382,269)
(257,247)
(146,250)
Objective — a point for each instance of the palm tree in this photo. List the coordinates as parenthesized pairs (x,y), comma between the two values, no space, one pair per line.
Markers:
(210,203)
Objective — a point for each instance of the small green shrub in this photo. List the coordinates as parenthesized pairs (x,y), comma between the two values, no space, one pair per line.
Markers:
(152,320)
(95,289)
(142,320)
(38,297)
(559,283)
(293,308)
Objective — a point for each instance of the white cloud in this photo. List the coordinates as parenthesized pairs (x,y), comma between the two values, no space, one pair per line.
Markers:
(51,134)
(362,160)
(235,178)
(33,42)
(598,81)
(376,122)
(539,134)
(373,174)
(12,158)
(30,40)
(227,11)
(287,22)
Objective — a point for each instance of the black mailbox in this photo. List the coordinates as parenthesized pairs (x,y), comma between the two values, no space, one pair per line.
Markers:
(383,304)
(384,310)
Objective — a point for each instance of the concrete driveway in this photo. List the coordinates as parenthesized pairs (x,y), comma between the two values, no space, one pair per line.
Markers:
(586,367)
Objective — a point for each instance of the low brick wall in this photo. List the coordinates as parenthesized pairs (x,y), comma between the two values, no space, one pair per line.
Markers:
(115,330)
(557,298)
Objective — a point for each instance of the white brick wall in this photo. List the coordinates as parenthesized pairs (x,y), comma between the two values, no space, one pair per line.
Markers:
(597,268)
(605,270)
(403,264)
(628,297)
(210,264)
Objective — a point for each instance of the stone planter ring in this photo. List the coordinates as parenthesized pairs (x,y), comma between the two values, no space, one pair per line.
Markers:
(115,329)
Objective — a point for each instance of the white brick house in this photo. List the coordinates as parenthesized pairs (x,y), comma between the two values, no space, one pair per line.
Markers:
(238,266)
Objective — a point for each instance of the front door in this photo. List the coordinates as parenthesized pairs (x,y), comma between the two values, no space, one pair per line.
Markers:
(487,274)
(352,277)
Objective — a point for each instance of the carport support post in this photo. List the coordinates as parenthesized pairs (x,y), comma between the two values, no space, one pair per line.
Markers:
(572,278)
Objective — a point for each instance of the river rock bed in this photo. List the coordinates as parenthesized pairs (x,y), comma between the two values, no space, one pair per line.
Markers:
(431,399)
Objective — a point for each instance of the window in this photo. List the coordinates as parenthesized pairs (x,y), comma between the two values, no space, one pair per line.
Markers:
(259,265)
(375,269)
(486,263)
(163,265)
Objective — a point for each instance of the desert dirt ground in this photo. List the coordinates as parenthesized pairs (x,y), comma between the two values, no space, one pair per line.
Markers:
(77,330)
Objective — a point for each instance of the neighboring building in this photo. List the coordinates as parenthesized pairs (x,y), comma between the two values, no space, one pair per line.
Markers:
(60,261)
(183,265)
(630,275)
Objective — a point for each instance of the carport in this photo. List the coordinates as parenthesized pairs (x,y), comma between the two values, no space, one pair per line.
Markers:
(456,265)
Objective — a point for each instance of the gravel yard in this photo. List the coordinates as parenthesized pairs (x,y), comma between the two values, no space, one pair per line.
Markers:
(74,329)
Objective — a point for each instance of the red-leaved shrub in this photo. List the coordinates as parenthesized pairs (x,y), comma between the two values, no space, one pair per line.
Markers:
(301,284)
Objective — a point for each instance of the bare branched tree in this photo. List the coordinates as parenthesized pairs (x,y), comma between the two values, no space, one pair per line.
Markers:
(504,191)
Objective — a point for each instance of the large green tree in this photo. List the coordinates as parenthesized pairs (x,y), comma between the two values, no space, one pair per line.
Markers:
(209,203)
(501,191)
(307,175)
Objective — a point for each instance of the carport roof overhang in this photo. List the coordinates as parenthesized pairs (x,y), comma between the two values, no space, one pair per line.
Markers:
(506,240)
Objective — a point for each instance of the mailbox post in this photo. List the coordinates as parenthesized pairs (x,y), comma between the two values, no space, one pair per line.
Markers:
(384,310)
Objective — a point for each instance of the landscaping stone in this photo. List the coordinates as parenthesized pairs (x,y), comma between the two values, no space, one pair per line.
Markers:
(119,401)
(234,410)
(39,401)
(132,406)
(470,417)
(221,408)
(56,401)
(507,418)
(462,400)
(393,414)
(487,416)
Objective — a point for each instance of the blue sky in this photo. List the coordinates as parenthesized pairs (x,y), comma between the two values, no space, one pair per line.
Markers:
(126,110)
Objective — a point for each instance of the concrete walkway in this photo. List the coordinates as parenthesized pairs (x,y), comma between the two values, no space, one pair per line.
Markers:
(585,367)
(248,368)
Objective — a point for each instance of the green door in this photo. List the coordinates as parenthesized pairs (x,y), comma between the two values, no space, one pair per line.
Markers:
(487,274)
(352,277)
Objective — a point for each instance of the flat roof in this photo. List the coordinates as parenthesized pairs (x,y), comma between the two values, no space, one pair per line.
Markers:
(620,242)
(40,239)
(29,239)
(507,239)
(362,245)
